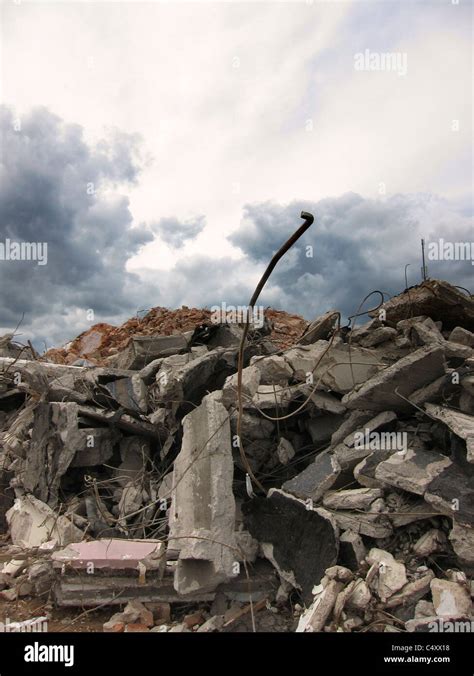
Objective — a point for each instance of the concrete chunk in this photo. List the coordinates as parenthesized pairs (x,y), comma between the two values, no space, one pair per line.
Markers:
(364,472)
(250,382)
(378,336)
(274,370)
(357,498)
(33,523)
(285,451)
(320,328)
(270,397)
(391,573)
(58,443)
(407,375)
(131,393)
(462,336)
(254,426)
(316,479)
(372,525)
(434,298)
(317,614)
(189,381)
(429,543)
(413,470)
(300,542)
(202,513)
(452,493)
(450,599)
(144,349)
(411,592)
(339,368)
(353,421)
(364,441)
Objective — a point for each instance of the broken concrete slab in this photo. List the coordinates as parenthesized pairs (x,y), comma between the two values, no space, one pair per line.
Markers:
(412,470)
(457,352)
(339,368)
(358,594)
(424,609)
(122,421)
(379,393)
(300,541)
(452,493)
(112,554)
(327,402)
(10,349)
(460,423)
(344,367)
(434,298)
(364,471)
(202,513)
(131,393)
(316,479)
(433,391)
(56,440)
(364,441)
(142,350)
(96,448)
(410,511)
(189,383)
(77,588)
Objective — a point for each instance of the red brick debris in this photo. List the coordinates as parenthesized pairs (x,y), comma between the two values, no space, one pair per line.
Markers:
(103,340)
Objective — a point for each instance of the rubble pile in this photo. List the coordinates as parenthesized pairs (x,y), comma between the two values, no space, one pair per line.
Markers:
(126,483)
(99,344)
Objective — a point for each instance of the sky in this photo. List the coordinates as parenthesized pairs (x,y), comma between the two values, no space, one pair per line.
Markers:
(165,150)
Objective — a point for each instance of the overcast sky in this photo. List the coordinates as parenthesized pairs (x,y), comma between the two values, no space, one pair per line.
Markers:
(164,151)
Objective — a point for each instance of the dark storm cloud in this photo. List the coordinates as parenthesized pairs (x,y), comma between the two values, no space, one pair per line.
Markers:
(175,232)
(358,245)
(57,189)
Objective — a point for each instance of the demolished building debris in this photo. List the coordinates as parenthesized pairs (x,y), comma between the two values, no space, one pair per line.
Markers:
(123,484)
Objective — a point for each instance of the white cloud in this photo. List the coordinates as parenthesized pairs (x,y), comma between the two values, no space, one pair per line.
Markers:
(224,94)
